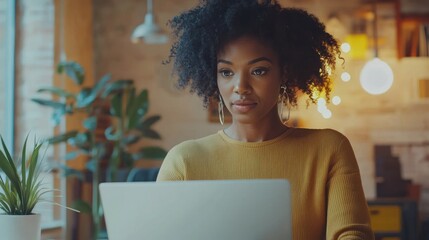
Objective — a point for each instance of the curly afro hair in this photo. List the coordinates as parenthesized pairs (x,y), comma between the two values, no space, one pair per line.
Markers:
(306,51)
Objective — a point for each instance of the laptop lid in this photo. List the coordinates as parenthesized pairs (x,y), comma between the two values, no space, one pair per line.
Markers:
(196,210)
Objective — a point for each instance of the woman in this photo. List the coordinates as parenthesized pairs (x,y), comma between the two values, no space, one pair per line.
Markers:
(255,56)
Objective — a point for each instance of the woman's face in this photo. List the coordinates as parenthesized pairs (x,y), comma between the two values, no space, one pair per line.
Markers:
(249,78)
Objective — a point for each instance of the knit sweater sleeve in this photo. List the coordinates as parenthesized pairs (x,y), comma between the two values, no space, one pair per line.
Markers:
(173,166)
(347,210)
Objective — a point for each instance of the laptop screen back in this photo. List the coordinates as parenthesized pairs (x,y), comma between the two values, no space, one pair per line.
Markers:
(209,210)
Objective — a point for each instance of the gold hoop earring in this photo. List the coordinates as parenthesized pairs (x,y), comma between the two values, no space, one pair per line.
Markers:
(283,98)
(220,110)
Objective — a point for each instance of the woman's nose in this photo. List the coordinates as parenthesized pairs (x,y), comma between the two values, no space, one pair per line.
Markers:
(241,84)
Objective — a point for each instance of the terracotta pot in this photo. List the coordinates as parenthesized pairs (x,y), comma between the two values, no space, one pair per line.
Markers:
(20,227)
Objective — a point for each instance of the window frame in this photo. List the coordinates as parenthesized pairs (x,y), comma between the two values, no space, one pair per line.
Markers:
(10,75)
(10,105)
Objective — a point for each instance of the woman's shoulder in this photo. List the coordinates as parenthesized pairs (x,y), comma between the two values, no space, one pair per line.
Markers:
(198,144)
(323,135)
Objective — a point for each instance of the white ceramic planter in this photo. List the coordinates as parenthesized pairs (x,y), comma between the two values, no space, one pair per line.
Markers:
(20,227)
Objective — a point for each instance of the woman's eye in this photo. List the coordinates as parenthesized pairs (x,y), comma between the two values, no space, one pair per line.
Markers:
(226,73)
(259,71)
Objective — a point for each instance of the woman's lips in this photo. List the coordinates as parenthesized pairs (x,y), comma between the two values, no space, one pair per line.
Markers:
(243,106)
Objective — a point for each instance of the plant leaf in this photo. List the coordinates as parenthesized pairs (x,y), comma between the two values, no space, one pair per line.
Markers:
(111,133)
(33,174)
(150,153)
(49,103)
(82,206)
(96,90)
(144,127)
(116,105)
(7,201)
(57,91)
(130,139)
(127,159)
(71,172)
(149,133)
(72,69)
(58,114)
(20,191)
(88,96)
(91,165)
(23,157)
(148,122)
(138,109)
(131,97)
(83,98)
(81,140)
(62,137)
(116,86)
(114,158)
(74,154)
(90,123)
(7,165)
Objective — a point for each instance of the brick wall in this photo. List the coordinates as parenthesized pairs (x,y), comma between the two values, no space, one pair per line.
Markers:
(34,69)
(34,66)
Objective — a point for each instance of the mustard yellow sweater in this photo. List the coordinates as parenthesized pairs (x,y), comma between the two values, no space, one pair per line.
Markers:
(327,197)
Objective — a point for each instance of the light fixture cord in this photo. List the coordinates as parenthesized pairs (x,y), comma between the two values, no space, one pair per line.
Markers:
(374,27)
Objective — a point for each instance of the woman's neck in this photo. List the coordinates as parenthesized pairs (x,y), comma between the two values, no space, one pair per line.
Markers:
(256,132)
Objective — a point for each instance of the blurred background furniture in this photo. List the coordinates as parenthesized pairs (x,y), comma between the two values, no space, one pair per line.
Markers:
(394,218)
(143,174)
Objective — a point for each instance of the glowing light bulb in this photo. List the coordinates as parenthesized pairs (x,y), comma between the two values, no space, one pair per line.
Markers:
(376,77)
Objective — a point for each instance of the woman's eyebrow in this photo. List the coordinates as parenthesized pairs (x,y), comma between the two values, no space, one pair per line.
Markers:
(259,59)
(250,62)
(224,61)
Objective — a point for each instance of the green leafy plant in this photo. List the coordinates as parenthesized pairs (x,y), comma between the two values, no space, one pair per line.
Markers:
(114,127)
(22,188)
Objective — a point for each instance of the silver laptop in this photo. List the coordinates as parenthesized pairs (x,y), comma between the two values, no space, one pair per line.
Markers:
(198,210)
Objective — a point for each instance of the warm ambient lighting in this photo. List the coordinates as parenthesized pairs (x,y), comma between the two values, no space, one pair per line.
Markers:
(322,109)
(345,47)
(336,100)
(376,77)
(358,46)
(148,31)
(321,102)
(327,114)
(345,76)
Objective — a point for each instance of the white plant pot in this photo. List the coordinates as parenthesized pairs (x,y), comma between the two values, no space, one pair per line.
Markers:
(20,227)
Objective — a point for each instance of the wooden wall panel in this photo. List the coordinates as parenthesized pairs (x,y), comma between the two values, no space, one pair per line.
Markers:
(74,41)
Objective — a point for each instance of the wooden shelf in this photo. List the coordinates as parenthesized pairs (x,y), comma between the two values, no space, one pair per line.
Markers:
(412,33)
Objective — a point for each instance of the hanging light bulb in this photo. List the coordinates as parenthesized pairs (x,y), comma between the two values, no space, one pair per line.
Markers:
(376,76)
(148,31)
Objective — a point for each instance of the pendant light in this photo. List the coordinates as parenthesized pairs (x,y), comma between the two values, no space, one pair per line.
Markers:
(376,76)
(148,31)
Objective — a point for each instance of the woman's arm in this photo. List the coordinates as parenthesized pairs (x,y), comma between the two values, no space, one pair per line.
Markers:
(173,167)
(347,210)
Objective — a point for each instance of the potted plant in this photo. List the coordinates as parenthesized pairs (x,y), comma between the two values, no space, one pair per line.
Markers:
(20,190)
(115,121)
